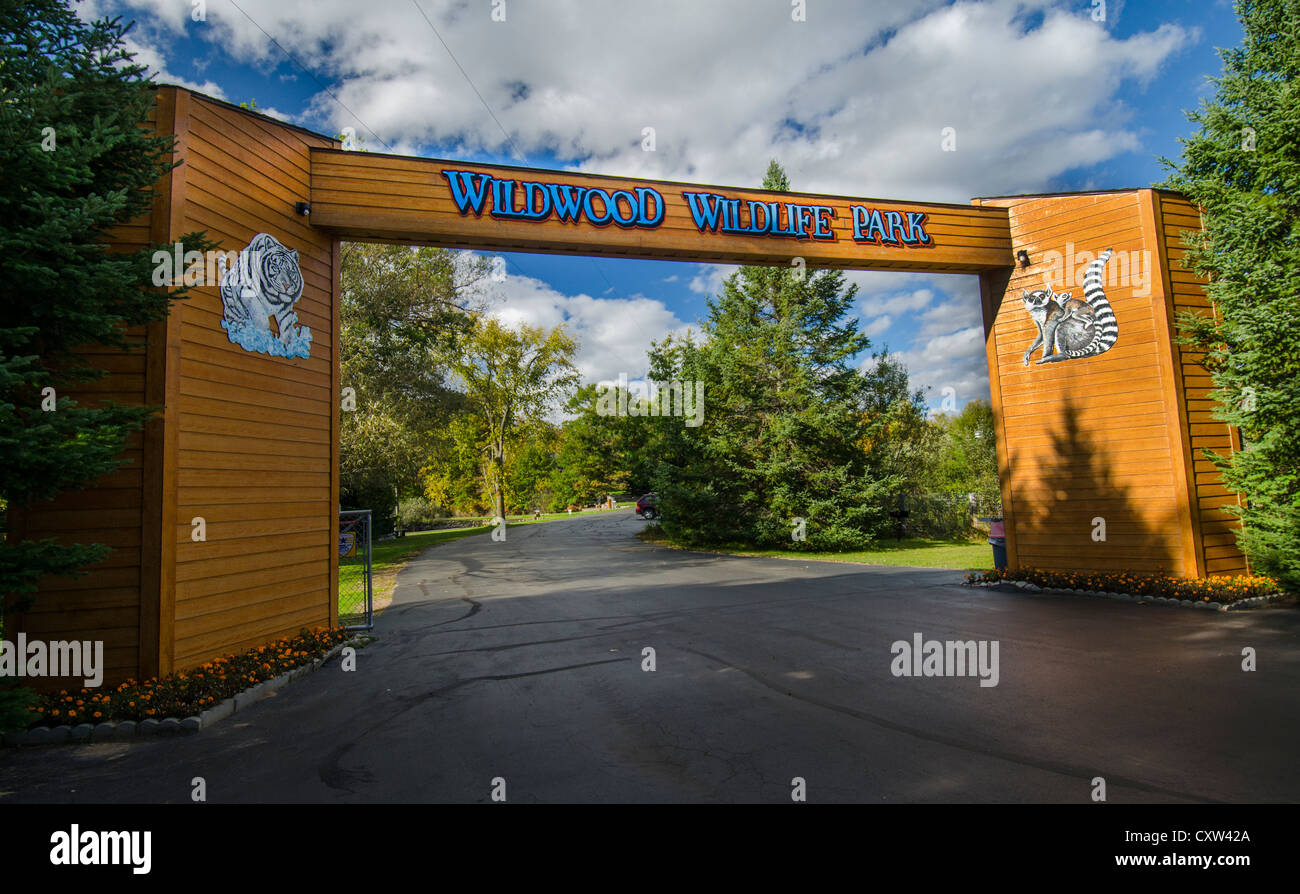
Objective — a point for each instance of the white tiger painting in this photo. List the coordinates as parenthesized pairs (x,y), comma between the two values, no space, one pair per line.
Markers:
(258,295)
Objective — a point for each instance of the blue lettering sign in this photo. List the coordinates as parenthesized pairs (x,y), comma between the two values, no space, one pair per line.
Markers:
(474,192)
(590,210)
(567,200)
(870,225)
(916,229)
(536,201)
(467,196)
(644,197)
(704,209)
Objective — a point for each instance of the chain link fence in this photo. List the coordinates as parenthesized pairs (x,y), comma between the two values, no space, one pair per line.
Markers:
(356,585)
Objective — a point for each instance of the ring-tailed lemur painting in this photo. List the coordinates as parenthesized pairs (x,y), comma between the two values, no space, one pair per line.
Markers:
(264,285)
(1069,328)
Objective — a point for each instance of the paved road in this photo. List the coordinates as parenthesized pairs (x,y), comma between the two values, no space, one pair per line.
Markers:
(523,660)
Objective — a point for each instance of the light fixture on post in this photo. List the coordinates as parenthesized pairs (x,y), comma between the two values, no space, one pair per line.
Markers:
(1023,257)
(303,208)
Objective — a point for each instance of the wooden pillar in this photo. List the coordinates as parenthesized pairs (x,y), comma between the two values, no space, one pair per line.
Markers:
(162,378)
(993,285)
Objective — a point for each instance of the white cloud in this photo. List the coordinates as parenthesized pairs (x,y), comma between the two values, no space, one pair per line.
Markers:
(896,304)
(708,280)
(878,326)
(160,27)
(613,333)
(949,316)
(956,360)
(148,55)
(852,101)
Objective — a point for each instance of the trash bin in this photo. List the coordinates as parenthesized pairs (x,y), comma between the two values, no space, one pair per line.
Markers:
(998,540)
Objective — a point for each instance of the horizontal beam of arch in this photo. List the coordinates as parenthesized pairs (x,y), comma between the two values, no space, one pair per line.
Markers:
(374,197)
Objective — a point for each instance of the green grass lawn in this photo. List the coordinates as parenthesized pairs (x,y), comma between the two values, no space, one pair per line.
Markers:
(914,552)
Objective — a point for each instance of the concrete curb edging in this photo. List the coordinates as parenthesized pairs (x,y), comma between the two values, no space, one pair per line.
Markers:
(1129,597)
(128,729)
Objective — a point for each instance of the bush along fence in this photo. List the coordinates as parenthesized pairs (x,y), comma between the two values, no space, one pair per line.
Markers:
(181,702)
(1219,593)
(938,515)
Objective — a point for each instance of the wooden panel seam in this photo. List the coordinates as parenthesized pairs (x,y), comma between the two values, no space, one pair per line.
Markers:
(171,415)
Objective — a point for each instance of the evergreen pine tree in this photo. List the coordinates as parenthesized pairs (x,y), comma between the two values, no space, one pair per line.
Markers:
(1243,169)
(77,160)
(785,422)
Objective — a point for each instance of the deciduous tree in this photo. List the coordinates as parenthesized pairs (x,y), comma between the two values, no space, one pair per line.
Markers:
(511,377)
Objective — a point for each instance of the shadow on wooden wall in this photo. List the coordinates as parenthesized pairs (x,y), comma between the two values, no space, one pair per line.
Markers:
(1079,482)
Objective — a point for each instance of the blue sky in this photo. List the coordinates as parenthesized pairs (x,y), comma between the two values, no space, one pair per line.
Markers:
(851,100)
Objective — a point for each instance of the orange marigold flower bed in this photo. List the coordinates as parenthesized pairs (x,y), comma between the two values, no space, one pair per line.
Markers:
(1224,590)
(188,693)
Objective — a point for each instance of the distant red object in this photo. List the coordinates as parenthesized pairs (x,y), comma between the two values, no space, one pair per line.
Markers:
(646,508)
(997,529)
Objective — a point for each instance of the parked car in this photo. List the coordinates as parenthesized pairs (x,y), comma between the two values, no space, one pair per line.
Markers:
(646,508)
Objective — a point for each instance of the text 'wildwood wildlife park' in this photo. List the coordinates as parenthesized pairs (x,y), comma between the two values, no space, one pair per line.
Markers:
(644,207)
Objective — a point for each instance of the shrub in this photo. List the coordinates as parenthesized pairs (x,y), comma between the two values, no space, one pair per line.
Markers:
(939,516)
(15,707)
(417,512)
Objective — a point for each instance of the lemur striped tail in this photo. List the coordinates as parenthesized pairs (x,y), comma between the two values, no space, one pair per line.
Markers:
(1106,329)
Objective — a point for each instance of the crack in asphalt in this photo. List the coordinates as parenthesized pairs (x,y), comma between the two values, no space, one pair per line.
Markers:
(505,647)
(1068,770)
(474,608)
(337,777)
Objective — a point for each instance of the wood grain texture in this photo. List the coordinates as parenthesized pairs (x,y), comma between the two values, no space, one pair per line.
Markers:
(117,600)
(1117,436)
(259,432)
(993,289)
(1174,391)
(246,441)
(168,382)
(1175,215)
(368,196)
(1090,438)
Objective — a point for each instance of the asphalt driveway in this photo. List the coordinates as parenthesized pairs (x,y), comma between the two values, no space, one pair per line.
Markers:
(521,663)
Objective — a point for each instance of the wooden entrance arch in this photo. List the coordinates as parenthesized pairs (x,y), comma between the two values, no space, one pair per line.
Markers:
(248,440)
